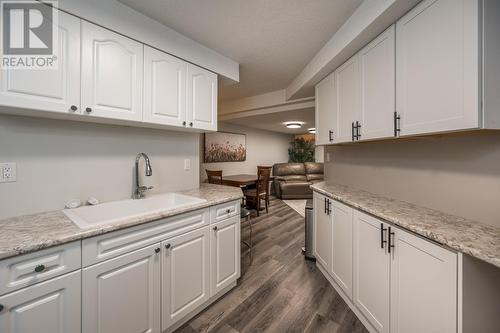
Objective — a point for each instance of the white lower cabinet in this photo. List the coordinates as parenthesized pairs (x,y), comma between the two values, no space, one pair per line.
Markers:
(342,246)
(185,275)
(333,240)
(398,282)
(155,288)
(423,286)
(123,294)
(322,231)
(52,306)
(225,253)
(371,270)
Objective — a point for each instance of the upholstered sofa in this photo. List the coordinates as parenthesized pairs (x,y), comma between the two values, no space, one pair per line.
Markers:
(293,180)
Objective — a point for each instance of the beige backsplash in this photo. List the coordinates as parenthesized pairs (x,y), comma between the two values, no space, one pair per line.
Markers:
(457,174)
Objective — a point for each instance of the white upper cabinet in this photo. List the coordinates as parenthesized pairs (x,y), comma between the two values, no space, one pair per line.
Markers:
(378,64)
(347,82)
(102,74)
(423,286)
(164,88)
(201,99)
(56,90)
(326,110)
(112,74)
(437,71)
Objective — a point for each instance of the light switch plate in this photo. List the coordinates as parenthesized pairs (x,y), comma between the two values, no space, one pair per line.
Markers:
(8,172)
(187,164)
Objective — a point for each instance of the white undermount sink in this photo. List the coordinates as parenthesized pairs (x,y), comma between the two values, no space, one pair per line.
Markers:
(117,211)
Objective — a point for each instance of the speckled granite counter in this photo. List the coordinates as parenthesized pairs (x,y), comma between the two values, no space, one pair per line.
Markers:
(29,233)
(479,240)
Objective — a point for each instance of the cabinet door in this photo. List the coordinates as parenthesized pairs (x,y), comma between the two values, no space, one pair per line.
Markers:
(54,90)
(52,306)
(322,232)
(123,294)
(423,286)
(437,49)
(185,275)
(225,253)
(112,74)
(347,81)
(201,99)
(164,88)
(326,110)
(342,246)
(371,270)
(378,86)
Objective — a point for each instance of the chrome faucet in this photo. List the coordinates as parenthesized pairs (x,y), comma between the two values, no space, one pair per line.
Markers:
(140,190)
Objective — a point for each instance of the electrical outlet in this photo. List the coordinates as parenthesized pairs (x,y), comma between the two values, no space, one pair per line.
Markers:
(8,172)
(187,164)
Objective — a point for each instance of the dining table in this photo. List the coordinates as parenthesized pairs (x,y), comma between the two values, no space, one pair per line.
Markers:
(240,180)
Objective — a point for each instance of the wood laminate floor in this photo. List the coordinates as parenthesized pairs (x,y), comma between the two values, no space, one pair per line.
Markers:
(280,291)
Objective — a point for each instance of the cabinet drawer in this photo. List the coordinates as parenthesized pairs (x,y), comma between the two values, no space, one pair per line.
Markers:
(224,211)
(25,270)
(103,247)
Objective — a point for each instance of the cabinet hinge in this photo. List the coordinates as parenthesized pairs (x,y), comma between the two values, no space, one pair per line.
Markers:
(397,124)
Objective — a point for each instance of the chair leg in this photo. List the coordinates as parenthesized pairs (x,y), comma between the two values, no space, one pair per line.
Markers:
(266,199)
(258,205)
(250,240)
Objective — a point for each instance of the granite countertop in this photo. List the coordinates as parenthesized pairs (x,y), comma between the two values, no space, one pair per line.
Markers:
(34,232)
(477,239)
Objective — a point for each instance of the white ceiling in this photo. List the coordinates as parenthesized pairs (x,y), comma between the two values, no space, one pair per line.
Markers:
(275,121)
(272,40)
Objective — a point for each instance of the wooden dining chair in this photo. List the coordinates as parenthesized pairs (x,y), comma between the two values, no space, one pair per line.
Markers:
(214,176)
(261,191)
(259,167)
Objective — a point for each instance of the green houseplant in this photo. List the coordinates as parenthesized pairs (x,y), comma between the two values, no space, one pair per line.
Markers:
(301,150)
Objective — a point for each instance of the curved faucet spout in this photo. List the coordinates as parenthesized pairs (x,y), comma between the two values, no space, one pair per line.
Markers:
(139,190)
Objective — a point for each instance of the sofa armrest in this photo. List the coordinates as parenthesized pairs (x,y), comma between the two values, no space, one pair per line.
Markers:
(277,187)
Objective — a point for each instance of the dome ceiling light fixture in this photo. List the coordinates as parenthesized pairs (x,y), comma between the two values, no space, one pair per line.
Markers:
(293,124)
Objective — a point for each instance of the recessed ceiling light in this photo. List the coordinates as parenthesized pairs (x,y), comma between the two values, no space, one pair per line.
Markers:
(311,130)
(293,125)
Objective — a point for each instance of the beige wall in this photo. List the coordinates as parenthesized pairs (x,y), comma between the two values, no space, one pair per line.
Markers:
(458,174)
(62,160)
(263,148)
